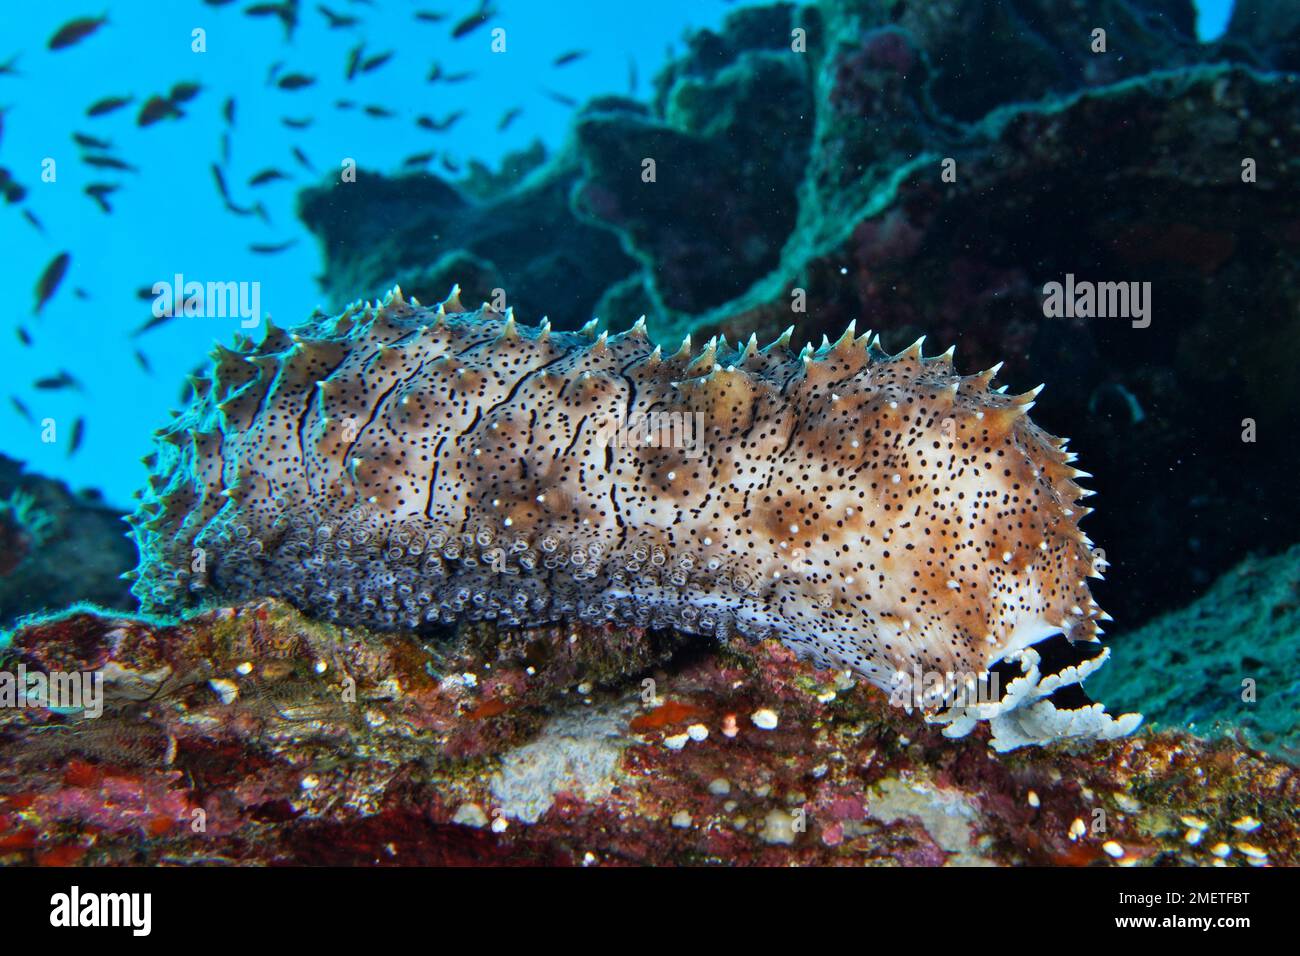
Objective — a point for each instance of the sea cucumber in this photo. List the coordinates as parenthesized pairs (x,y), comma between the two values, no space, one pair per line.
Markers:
(397,464)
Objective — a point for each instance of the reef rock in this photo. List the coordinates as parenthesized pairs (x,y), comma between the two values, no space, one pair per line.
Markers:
(256,735)
(57,547)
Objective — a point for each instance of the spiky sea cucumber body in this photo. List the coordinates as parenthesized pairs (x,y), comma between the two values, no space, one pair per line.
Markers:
(398,465)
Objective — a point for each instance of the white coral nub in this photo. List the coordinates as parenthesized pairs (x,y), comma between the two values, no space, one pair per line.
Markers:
(1026,716)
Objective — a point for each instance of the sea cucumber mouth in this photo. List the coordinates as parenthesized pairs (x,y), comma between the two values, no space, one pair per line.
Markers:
(1037,697)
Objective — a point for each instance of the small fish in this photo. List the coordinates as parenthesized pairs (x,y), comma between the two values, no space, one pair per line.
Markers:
(7,67)
(439,126)
(371,63)
(81,294)
(287,13)
(22,409)
(155,110)
(90,142)
(257,209)
(430,16)
(271,249)
(379,112)
(295,81)
(49,281)
(100,193)
(153,322)
(472,22)
(354,61)
(228,111)
(418,159)
(220,178)
(74,31)
(337,21)
(508,117)
(54,383)
(450,165)
(31,217)
(184,92)
(78,435)
(108,105)
(24,336)
(561,98)
(294,123)
(14,192)
(572,56)
(143,361)
(435,72)
(299,155)
(266,176)
(458,77)
(225,146)
(274,71)
(108,162)
(345,104)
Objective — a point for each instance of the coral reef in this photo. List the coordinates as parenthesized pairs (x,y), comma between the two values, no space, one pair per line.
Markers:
(1227,661)
(255,735)
(521,234)
(813,181)
(57,547)
(398,465)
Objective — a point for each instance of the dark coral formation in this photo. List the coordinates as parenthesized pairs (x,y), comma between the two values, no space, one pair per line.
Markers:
(821,171)
(425,235)
(254,735)
(58,547)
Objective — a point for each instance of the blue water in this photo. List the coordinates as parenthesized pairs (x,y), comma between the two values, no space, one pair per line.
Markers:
(167,218)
